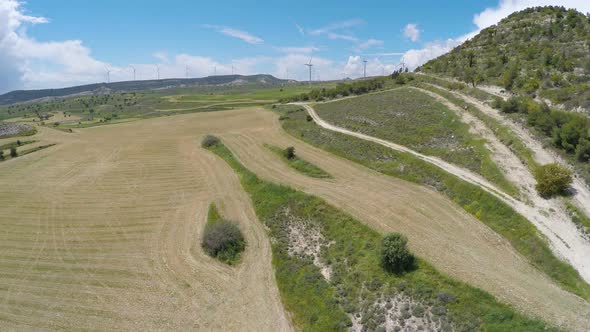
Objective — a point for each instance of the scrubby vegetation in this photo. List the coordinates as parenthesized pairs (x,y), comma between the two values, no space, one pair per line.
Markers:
(299,164)
(358,288)
(352,88)
(289,153)
(542,51)
(411,118)
(552,179)
(569,132)
(209,140)
(395,256)
(222,238)
(487,208)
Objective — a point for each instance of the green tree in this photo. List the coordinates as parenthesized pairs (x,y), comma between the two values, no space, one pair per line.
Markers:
(13,152)
(552,179)
(583,150)
(290,153)
(395,256)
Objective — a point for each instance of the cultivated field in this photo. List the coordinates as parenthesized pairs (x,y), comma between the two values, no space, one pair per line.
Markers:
(98,229)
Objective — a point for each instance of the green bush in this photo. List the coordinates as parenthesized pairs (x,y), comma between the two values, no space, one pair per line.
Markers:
(209,141)
(583,150)
(552,179)
(1,155)
(13,152)
(223,240)
(290,153)
(395,256)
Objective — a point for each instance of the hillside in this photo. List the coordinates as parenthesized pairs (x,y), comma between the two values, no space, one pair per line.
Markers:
(20,96)
(543,51)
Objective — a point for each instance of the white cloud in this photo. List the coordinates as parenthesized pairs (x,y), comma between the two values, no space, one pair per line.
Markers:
(412,32)
(242,35)
(25,62)
(486,18)
(354,67)
(336,26)
(298,49)
(368,44)
(300,29)
(491,16)
(162,56)
(333,35)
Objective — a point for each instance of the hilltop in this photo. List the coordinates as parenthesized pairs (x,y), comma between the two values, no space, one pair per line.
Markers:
(21,96)
(541,51)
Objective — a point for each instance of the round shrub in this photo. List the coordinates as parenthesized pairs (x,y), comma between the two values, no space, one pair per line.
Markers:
(395,256)
(13,152)
(224,240)
(552,179)
(289,153)
(209,140)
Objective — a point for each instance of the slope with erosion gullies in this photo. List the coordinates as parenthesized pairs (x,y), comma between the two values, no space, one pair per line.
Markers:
(542,51)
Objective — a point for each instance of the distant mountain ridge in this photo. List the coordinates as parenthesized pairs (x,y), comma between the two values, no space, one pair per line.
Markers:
(20,96)
(542,51)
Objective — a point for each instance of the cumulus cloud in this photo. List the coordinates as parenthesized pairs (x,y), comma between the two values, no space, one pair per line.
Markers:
(242,35)
(486,18)
(25,62)
(354,67)
(412,32)
(162,56)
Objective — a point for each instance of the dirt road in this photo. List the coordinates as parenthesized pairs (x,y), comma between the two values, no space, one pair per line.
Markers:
(565,240)
(100,230)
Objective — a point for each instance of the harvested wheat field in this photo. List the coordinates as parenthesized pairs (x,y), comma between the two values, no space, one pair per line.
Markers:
(98,230)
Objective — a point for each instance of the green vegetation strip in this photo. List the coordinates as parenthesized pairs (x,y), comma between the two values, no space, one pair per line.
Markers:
(358,284)
(415,119)
(25,152)
(503,133)
(14,144)
(222,239)
(299,164)
(497,215)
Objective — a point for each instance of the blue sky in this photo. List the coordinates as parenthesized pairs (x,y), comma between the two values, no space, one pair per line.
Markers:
(60,42)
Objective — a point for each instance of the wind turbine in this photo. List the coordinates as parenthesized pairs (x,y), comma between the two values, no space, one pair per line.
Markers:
(365,69)
(108,74)
(309,65)
(186,71)
(158,71)
(132,68)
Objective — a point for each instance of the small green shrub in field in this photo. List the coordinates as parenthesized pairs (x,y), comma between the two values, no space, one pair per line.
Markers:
(552,179)
(290,153)
(209,141)
(13,152)
(395,256)
(223,240)
(1,155)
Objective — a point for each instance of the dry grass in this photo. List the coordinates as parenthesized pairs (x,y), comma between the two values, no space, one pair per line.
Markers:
(98,230)
(97,233)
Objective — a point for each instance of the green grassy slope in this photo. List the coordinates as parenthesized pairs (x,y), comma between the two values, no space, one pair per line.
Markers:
(487,208)
(416,120)
(358,286)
